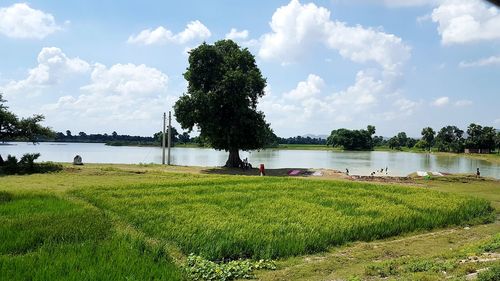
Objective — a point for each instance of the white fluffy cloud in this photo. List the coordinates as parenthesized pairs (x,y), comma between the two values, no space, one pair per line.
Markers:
(235,34)
(493,60)
(194,31)
(22,21)
(361,95)
(441,101)
(126,79)
(119,93)
(53,67)
(306,89)
(76,95)
(311,106)
(464,21)
(296,26)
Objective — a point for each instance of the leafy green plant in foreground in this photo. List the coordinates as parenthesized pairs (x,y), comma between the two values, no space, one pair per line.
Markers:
(198,268)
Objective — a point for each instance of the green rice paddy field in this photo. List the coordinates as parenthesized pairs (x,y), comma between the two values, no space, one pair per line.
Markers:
(140,223)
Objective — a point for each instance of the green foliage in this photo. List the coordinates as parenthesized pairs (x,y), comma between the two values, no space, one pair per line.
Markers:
(497,141)
(158,137)
(198,268)
(480,137)
(428,265)
(491,246)
(240,217)
(384,269)
(27,165)
(492,274)
(394,267)
(401,140)
(422,144)
(352,139)
(427,138)
(224,85)
(11,127)
(450,139)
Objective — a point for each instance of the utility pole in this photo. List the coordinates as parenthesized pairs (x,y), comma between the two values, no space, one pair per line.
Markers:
(163,140)
(169,135)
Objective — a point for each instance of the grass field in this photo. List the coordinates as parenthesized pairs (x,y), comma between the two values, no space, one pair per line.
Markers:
(102,222)
(453,253)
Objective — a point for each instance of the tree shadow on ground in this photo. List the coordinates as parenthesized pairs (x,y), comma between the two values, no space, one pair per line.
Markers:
(255,172)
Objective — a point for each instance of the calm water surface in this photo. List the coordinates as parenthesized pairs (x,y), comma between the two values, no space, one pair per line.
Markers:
(360,163)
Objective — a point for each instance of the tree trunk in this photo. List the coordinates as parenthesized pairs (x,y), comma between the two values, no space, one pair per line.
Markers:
(234,160)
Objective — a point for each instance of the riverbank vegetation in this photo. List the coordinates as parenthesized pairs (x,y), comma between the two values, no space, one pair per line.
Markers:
(142,222)
(26,165)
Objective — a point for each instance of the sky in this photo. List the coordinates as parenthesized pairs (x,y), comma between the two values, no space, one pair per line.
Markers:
(401,65)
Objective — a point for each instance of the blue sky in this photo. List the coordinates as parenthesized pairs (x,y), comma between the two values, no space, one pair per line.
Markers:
(99,66)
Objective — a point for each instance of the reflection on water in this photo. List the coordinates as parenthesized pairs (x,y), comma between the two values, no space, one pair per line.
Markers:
(358,162)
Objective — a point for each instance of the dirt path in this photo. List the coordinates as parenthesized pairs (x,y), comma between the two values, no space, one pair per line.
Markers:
(342,263)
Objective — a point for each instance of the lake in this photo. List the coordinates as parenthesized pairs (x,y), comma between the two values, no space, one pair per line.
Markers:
(359,162)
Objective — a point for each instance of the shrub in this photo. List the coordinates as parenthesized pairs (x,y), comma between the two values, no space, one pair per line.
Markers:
(384,269)
(492,245)
(427,265)
(492,274)
(198,268)
(27,165)
(28,162)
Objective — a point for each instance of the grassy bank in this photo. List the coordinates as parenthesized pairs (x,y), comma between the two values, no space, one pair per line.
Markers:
(101,222)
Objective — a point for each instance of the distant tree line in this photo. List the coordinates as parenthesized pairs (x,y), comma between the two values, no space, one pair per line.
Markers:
(447,139)
(301,140)
(98,138)
(453,139)
(118,140)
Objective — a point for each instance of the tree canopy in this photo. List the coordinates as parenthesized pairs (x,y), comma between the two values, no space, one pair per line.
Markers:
(480,137)
(352,139)
(427,137)
(224,85)
(450,139)
(14,128)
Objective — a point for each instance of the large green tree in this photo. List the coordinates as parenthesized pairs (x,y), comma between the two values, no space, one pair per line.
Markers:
(224,85)
(173,136)
(428,137)
(480,137)
(352,139)
(450,139)
(14,128)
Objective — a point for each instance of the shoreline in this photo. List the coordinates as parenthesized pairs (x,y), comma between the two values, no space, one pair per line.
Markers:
(305,173)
